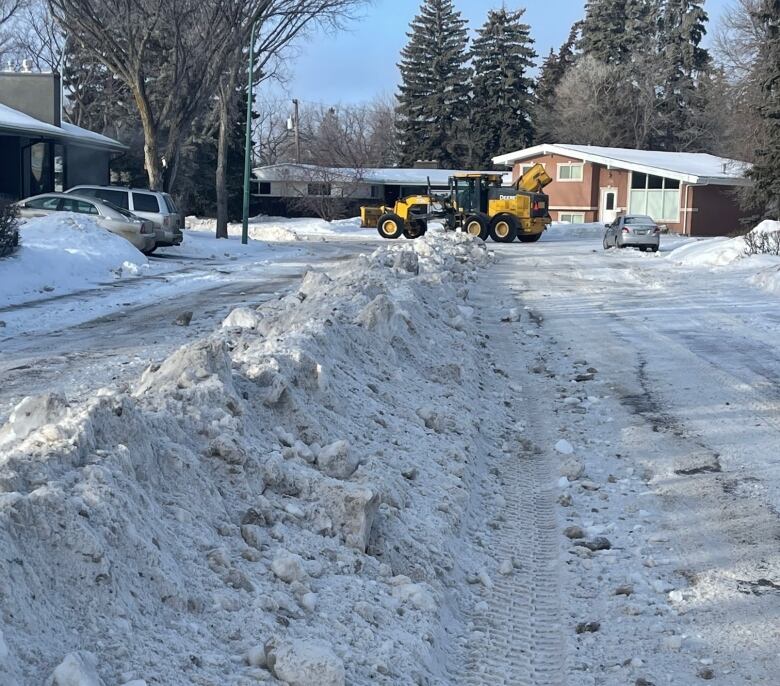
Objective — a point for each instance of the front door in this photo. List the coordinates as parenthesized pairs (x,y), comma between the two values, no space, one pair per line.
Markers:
(608,206)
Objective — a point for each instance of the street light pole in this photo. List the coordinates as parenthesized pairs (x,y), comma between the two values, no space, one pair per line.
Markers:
(248,143)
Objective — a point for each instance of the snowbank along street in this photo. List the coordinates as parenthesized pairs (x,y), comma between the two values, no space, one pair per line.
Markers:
(440,462)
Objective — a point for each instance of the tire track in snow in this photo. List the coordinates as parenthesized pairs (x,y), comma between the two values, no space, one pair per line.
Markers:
(516,640)
(514,635)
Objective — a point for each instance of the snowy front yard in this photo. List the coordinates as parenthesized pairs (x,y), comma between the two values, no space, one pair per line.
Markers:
(436,462)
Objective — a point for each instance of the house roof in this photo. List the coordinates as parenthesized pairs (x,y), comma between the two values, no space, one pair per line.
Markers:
(14,122)
(688,167)
(388,177)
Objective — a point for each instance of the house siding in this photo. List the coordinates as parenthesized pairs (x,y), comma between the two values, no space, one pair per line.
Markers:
(714,211)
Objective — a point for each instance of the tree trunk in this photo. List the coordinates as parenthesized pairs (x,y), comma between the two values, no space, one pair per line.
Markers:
(151,144)
(222,162)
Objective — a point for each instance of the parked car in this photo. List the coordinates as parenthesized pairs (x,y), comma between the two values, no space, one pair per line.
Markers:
(635,231)
(140,232)
(152,205)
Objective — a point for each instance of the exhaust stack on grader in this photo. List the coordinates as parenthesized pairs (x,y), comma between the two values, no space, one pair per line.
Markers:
(477,203)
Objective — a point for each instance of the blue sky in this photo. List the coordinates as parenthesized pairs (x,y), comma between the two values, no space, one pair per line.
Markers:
(356,64)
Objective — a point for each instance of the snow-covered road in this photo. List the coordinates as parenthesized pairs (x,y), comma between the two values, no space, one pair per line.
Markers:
(557,467)
(677,435)
(77,342)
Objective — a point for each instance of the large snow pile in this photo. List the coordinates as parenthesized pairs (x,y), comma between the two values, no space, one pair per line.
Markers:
(64,253)
(278,503)
(274,229)
(718,252)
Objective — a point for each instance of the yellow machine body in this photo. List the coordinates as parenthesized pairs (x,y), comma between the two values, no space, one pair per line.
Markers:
(369,216)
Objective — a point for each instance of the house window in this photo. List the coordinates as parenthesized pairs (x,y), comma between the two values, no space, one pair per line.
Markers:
(319,189)
(655,196)
(526,167)
(571,217)
(264,188)
(571,172)
(377,192)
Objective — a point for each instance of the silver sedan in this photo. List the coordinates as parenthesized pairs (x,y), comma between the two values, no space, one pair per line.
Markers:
(633,231)
(140,232)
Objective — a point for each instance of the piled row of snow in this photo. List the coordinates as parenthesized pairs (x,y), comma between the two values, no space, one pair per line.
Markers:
(718,252)
(562,230)
(763,270)
(278,503)
(64,253)
(284,229)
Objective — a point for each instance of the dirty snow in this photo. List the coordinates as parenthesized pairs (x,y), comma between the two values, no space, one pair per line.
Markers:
(64,253)
(265,496)
(431,464)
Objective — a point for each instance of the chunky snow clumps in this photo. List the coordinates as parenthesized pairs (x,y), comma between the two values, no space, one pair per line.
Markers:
(277,503)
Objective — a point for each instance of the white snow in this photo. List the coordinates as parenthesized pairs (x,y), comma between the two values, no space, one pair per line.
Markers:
(176,525)
(359,487)
(19,122)
(282,229)
(64,253)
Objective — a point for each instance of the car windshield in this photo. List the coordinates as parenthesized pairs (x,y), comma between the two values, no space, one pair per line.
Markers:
(642,221)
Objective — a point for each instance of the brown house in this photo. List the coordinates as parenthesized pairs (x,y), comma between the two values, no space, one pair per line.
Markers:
(691,193)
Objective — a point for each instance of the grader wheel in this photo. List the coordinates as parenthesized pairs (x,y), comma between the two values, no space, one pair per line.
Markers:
(477,225)
(390,226)
(504,228)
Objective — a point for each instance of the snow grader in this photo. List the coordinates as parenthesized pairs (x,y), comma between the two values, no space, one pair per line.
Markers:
(477,203)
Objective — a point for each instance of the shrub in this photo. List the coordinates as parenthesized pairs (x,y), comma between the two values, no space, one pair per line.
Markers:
(760,243)
(9,231)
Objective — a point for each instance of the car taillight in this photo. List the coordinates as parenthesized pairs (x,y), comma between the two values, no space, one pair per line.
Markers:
(626,229)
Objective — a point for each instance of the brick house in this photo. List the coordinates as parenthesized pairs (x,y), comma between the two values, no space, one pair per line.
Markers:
(691,193)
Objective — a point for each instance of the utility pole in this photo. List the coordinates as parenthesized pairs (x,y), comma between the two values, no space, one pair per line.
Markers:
(297,130)
(248,143)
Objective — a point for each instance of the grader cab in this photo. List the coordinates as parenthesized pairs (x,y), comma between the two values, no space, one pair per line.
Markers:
(477,203)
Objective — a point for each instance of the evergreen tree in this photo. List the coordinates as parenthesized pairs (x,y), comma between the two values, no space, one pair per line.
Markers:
(554,68)
(502,94)
(765,173)
(433,100)
(604,31)
(685,64)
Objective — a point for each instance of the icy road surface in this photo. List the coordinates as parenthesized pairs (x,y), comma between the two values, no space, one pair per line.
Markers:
(665,382)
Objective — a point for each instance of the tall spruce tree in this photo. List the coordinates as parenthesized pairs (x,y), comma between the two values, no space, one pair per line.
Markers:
(603,31)
(433,99)
(502,95)
(684,64)
(551,74)
(764,196)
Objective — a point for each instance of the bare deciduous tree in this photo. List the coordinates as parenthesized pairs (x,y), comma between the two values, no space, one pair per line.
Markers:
(278,25)
(37,37)
(170,55)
